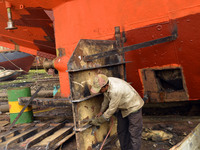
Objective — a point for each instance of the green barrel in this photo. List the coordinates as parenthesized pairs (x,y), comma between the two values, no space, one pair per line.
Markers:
(15,108)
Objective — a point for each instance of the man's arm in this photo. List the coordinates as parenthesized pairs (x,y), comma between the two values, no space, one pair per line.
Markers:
(114,103)
(104,104)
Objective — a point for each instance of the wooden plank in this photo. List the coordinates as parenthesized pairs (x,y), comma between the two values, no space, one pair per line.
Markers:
(3,123)
(22,137)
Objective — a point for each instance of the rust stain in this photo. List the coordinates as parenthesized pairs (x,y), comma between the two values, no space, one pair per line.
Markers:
(89,148)
(93,107)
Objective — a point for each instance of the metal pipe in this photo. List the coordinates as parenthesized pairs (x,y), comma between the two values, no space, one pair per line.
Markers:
(10,24)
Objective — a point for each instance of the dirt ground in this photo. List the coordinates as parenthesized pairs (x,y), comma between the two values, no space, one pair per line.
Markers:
(178,126)
(179,130)
(177,122)
(178,119)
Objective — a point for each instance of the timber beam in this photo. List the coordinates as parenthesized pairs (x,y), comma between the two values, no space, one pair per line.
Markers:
(48,102)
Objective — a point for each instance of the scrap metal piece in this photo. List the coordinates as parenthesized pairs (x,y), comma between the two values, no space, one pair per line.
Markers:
(85,105)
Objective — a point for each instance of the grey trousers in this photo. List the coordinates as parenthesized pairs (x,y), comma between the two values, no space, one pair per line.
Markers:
(129,130)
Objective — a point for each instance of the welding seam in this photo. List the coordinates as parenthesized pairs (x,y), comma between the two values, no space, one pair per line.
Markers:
(81,84)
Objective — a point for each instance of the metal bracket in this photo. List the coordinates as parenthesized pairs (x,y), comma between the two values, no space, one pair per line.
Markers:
(134,47)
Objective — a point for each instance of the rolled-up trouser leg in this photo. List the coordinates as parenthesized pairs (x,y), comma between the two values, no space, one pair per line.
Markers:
(123,133)
(135,129)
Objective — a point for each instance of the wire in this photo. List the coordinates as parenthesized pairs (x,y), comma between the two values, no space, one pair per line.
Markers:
(107,133)
(12,62)
(45,110)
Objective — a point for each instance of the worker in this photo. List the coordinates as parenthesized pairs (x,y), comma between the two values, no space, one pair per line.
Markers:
(121,99)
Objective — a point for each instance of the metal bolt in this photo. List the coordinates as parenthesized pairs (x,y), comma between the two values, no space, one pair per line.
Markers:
(159,27)
(188,20)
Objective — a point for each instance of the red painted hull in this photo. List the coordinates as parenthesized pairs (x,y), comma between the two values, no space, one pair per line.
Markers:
(142,21)
(183,52)
(92,19)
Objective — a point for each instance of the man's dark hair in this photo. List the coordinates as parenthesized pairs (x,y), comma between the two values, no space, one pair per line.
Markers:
(105,85)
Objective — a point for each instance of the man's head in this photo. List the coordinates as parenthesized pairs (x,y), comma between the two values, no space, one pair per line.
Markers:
(100,83)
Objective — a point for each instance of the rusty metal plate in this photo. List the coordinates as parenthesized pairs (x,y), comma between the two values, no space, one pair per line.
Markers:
(85,105)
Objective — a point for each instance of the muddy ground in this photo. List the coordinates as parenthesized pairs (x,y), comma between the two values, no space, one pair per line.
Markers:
(178,119)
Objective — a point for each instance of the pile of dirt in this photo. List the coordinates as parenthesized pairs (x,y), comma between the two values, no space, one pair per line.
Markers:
(178,126)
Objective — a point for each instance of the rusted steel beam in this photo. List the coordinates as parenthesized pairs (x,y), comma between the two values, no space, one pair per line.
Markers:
(52,102)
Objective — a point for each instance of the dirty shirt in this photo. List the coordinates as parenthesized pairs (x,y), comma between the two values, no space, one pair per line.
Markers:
(120,96)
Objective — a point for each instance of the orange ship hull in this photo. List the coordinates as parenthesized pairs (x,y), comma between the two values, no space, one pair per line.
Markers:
(141,20)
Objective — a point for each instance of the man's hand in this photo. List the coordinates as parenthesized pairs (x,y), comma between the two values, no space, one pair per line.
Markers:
(95,122)
(99,114)
(98,121)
